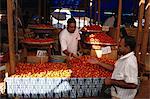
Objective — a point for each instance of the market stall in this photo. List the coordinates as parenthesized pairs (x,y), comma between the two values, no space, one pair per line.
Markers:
(102,45)
(37,43)
(76,78)
(59,80)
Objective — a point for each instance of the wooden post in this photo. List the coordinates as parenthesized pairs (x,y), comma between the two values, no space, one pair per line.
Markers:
(91,4)
(95,9)
(45,9)
(11,36)
(85,2)
(139,32)
(39,7)
(79,18)
(146,31)
(119,21)
(99,6)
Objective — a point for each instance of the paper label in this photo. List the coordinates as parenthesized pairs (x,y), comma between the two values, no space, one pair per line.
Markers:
(106,50)
(41,53)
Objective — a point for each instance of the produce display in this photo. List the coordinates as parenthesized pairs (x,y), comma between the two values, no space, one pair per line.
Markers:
(41,26)
(76,68)
(47,70)
(82,69)
(92,28)
(100,38)
(32,40)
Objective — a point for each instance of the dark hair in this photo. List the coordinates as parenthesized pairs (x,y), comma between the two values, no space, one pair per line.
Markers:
(71,20)
(123,32)
(130,41)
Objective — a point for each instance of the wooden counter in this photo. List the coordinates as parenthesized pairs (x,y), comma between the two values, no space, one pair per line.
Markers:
(39,45)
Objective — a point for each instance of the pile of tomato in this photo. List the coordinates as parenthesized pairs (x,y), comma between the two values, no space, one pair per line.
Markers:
(41,26)
(38,40)
(46,70)
(100,37)
(82,69)
(92,27)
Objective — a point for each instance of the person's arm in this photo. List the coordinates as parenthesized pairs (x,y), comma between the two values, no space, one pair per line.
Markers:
(80,47)
(66,52)
(79,41)
(63,43)
(70,54)
(104,65)
(120,83)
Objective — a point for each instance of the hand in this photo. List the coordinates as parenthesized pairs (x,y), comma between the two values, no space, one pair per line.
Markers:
(71,55)
(108,81)
(93,61)
(75,56)
(81,50)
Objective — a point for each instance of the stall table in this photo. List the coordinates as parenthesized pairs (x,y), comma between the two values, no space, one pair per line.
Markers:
(55,87)
(40,45)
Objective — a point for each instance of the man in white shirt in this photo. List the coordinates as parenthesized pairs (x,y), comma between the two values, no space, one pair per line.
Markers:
(124,79)
(69,39)
(109,21)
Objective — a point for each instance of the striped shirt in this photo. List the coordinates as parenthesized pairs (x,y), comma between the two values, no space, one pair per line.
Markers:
(126,69)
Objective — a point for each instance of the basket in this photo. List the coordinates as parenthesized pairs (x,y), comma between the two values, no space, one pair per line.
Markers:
(112,55)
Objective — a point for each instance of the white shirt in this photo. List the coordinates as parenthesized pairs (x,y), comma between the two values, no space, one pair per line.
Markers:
(126,69)
(110,22)
(69,41)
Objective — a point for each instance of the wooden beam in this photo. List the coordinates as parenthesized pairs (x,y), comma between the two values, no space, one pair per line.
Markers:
(95,10)
(99,14)
(85,8)
(11,36)
(119,21)
(91,4)
(39,7)
(140,30)
(146,32)
(45,9)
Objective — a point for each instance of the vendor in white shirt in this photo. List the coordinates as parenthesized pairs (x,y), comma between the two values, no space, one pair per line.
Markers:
(110,21)
(69,39)
(124,78)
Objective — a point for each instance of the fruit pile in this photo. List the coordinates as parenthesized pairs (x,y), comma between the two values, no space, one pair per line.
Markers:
(99,38)
(41,26)
(45,70)
(82,69)
(92,28)
(38,40)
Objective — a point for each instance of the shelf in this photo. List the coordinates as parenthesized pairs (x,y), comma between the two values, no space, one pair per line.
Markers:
(99,43)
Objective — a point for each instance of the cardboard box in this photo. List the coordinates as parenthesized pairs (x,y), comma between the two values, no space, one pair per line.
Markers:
(98,53)
(35,59)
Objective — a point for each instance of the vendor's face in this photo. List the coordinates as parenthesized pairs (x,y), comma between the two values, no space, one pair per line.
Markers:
(122,48)
(71,27)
